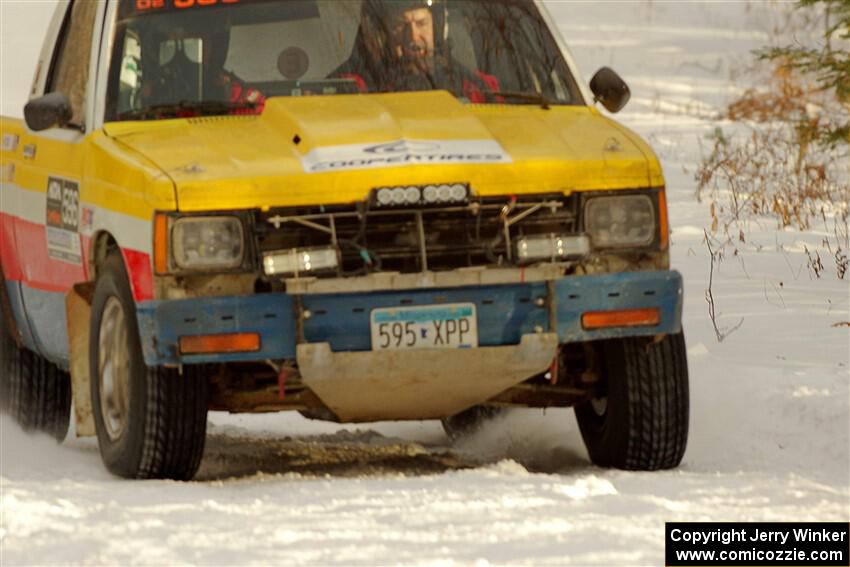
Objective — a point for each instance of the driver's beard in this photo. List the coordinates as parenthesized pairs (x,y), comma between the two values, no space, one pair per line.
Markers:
(414,79)
(418,65)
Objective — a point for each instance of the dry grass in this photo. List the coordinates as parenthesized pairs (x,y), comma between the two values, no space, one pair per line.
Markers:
(776,164)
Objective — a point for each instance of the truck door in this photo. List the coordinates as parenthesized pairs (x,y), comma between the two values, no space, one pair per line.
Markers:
(49,178)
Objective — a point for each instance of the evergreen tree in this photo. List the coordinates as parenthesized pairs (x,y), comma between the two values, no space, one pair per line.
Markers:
(829,64)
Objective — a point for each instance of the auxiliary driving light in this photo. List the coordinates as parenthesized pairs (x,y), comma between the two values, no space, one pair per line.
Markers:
(300,260)
(552,247)
(428,195)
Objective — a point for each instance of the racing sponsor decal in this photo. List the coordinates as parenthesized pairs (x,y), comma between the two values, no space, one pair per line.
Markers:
(10,142)
(86,221)
(403,152)
(63,220)
(7,172)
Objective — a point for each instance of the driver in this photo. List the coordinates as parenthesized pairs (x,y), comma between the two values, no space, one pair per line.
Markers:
(412,39)
(403,45)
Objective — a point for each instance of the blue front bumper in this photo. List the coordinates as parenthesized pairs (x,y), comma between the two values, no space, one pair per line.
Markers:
(505,313)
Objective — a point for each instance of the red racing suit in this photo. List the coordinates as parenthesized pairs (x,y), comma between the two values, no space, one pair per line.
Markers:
(239,93)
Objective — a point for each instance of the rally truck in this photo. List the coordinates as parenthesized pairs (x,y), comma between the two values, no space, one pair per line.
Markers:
(360,210)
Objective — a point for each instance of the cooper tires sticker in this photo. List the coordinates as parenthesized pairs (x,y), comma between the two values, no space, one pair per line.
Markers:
(403,152)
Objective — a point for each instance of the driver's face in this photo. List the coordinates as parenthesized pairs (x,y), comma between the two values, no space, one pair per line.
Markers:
(413,34)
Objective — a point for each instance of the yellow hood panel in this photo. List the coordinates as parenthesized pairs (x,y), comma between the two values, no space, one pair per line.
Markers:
(312,150)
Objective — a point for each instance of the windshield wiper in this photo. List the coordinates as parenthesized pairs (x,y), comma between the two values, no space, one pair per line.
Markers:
(535,98)
(193,107)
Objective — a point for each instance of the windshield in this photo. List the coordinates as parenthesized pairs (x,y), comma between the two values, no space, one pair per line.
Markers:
(194,57)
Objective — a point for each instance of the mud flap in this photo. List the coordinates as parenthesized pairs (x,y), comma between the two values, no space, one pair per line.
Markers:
(78,310)
(419,384)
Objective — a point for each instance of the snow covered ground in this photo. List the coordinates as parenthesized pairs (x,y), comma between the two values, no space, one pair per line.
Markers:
(770,426)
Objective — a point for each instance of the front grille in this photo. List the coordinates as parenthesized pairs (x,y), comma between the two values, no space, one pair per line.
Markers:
(481,233)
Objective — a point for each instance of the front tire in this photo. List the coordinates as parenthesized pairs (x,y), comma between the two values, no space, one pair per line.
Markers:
(642,422)
(150,422)
(33,390)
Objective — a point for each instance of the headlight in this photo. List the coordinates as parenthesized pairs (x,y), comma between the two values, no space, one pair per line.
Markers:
(626,221)
(207,242)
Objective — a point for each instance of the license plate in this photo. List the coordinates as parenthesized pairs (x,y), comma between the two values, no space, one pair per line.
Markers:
(427,327)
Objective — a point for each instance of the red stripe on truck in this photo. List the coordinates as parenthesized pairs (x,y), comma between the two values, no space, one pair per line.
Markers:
(23,251)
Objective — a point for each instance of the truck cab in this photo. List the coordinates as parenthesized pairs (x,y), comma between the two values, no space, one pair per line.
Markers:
(361,210)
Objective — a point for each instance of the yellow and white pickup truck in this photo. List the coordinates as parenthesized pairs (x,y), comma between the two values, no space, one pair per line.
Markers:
(361,210)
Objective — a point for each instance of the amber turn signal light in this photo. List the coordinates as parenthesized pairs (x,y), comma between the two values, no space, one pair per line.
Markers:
(663,223)
(624,318)
(213,344)
(160,243)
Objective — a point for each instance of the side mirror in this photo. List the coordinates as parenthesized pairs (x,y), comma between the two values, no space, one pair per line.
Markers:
(610,89)
(48,111)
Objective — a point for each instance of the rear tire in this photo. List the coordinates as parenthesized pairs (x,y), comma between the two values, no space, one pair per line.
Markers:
(469,422)
(150,422)
(33,390)
(642,423)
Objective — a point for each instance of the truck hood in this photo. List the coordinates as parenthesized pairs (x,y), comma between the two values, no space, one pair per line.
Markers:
(336,149)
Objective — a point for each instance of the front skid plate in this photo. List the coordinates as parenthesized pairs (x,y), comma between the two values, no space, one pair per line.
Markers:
(419,384)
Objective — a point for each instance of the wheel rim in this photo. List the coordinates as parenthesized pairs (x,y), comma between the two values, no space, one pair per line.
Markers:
(113,369)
